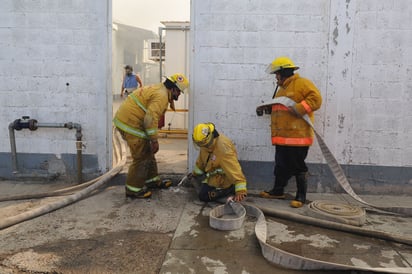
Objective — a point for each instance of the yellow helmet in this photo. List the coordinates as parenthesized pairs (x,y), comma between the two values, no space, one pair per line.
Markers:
(203,134)
(180,81)
(279,64)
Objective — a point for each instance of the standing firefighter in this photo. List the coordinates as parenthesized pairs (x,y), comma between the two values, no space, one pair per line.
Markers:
(291,135)
(217,172)
(130,81)
(137,120)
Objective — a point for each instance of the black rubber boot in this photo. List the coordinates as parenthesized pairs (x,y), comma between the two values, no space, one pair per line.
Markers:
(277,191)
(302,185)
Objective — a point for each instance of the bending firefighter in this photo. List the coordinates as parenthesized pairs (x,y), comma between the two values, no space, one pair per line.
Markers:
(137,120)
(217,172)
(291,135)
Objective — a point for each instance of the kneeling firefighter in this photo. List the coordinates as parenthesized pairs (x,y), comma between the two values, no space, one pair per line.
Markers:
(137,120)
(291,135)
(217,172)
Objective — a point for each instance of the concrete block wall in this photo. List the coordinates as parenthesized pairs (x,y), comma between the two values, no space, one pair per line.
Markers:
(381,83)
(55,67)
(233,44)
(357,52)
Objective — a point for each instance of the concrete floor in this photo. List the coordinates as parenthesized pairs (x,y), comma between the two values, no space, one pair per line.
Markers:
(169,233)
(172,156)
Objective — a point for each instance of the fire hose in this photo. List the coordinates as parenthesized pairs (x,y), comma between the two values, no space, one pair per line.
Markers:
(294,261)
(92,186)
(283,258)
(336,169)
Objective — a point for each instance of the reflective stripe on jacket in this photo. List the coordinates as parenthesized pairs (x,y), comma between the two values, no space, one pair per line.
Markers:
(141,110)
(221,155)
(287,127)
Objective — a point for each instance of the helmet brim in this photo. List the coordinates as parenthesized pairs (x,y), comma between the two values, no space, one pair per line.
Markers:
(270,70)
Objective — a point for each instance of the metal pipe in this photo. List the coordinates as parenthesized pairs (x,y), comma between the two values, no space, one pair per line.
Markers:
(175,131)
(79,146)
(13,148)
(160,54)
(32,124)
(46,208)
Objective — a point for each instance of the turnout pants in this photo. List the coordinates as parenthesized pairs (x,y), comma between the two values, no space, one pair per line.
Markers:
(290,161)
(143,169)
(208,193)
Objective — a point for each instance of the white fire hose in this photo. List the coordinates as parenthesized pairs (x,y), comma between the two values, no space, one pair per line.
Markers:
(66,200)
(328,210)
(276,255)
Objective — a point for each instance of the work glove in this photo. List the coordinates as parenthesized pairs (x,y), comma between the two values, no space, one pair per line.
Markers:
(154,144)
(261,110)
(200,177)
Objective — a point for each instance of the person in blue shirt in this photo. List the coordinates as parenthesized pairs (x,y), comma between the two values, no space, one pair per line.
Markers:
(131,81)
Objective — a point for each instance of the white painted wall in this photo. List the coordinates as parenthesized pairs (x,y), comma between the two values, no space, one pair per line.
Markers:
(358,53)
(44,45)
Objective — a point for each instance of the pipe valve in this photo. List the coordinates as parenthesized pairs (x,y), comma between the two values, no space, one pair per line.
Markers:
(25,122)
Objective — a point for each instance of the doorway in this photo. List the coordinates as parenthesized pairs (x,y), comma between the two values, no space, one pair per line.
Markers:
(156,45)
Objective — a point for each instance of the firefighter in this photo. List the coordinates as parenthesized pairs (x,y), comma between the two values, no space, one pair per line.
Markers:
(291,135)
(137,120)
(217,172)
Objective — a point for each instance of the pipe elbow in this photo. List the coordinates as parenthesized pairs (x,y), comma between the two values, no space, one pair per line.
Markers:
(16,125)
(71,125)
(78,128)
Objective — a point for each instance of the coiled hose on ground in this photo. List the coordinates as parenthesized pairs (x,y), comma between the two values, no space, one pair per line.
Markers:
(120,159)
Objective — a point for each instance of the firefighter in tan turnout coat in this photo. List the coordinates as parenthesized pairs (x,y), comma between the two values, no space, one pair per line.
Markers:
(217,172)
(137,120)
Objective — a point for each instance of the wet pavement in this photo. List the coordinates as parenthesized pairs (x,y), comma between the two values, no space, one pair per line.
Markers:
(170,233)
(197,248)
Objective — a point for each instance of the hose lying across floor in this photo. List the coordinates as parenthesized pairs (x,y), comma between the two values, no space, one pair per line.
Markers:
(294,261)
(92,185)
(284,258)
